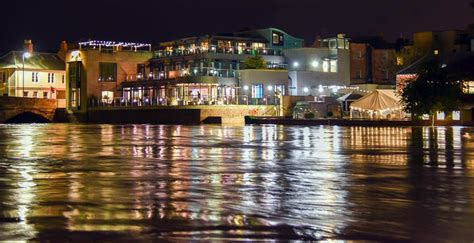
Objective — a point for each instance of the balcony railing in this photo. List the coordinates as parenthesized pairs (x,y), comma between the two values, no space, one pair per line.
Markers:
(215,49)
(184,101)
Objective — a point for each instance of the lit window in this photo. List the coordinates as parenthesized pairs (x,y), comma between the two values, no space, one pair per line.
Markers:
(325,66)
(277,38)
(257,91)
(399,61)
(333,66)
(425,117)
(456,115)
(440,116)
(436,52)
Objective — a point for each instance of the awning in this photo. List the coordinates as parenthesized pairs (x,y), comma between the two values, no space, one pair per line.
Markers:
(379,100)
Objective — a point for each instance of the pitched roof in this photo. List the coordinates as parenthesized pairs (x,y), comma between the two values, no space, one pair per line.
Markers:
(37,61)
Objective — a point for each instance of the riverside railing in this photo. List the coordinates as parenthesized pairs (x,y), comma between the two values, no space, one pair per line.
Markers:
(184,101)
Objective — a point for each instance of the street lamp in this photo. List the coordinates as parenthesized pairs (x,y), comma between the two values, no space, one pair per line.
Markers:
(25,55)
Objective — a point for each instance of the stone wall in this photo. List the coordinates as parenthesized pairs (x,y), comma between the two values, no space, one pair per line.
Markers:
(178,115)
(14,106)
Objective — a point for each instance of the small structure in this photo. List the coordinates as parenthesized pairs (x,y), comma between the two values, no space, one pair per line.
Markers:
(380,104)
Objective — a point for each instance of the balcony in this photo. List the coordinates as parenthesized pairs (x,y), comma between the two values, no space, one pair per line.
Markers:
(215,49)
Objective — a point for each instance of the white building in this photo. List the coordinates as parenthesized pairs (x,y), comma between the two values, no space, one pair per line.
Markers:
(32,74)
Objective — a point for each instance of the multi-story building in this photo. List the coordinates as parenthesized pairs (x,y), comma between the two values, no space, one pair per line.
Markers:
(441,42)
(372,61)
(96,69)
(321,69)
(211,66)
(32,74)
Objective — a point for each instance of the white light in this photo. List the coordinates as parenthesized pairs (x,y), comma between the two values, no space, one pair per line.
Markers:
(26,55)
(246,87)
(315,64)
(269,88)
(320,89)
(296,64)
(75,55)
(305,89)
(195,71)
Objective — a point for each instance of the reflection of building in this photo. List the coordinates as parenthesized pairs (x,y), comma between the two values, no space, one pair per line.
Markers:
(32,74)
(97,68)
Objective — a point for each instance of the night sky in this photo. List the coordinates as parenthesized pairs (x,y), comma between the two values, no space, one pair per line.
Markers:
(49,22)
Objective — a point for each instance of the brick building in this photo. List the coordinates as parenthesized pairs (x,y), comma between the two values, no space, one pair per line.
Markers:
(373,61)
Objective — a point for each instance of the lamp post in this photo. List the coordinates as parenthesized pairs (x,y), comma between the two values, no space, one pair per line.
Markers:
(25,55)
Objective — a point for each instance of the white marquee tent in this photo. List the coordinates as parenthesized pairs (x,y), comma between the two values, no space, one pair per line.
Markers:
(380,104)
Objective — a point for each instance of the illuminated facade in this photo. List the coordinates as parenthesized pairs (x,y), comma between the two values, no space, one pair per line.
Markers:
(32,74)
(97,68)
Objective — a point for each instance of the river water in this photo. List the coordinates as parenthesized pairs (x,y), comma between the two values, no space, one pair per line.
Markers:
(152,182)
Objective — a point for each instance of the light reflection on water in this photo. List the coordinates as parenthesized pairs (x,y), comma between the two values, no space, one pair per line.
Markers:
(252,182)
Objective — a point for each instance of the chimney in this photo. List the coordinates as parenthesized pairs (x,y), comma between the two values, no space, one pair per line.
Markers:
(317,42)
(28,46)
(63,48)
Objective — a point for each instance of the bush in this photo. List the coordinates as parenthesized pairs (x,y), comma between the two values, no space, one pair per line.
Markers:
(330,114)
(309,115)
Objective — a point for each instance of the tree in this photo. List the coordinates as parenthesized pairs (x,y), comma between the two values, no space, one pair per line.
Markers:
(433,90)
(255,62)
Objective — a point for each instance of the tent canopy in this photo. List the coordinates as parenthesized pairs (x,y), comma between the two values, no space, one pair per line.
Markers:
(378,100)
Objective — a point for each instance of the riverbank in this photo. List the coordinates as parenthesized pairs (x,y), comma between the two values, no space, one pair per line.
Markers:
(343,122)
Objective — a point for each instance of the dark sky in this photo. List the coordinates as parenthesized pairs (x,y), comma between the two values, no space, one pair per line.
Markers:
(50,21)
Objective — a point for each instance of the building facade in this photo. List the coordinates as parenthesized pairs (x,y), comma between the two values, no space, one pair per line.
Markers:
(32,74)
(321,69)
(373,61)
(96,69)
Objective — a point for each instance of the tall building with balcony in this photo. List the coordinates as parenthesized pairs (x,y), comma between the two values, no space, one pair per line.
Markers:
(211,67)
(32,74)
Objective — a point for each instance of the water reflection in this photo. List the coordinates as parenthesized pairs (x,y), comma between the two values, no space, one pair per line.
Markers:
(252,182)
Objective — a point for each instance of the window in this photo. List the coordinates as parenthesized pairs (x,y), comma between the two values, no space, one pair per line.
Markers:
(257,91)
(51,78)
(25,93)
(35,94)
(399,61)
(107,72)
(107,96)
(384,55)
(2,77)
(280,88)
(333,66)
(359,74)
(456,115)
(359,54)
(436,52)
(62,78)
(325,66)
(140,71)
(440,115)
(34,77)
(277,38)
(45,95)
